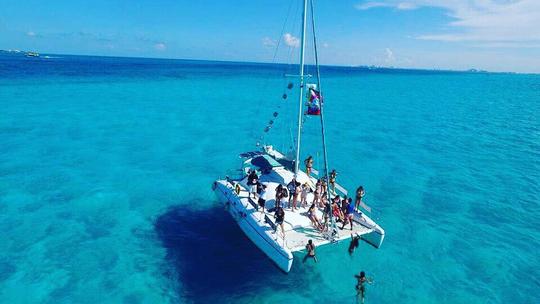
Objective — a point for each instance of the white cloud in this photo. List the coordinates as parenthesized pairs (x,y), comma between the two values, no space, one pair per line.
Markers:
(31,34)
(398,5)
(390,58)
(291,41)
(160,46)
(325,45)
(268,42)
(491,22)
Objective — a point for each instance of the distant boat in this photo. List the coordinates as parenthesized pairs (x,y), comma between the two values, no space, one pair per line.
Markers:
(273,169)
(32,54)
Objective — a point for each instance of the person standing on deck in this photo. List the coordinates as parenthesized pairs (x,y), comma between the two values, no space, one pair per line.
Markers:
(309,165)
(317,194)
(291,186)
(310,248)
(360,285)
(332,177)
(262,196)
(279,194)
(303,196)
(349,213)
(279,215)
(360,193)
(252,181)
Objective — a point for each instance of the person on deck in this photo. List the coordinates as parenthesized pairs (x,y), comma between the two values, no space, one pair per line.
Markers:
(309,165)
(293,196)
(360,193)
(279,193)
(303,196)
(310,248)
(312,215)
(262,196)
(284,197)
(279,215)
(317,193)
(349,214)
(332,178)
(252,181)
(360,285)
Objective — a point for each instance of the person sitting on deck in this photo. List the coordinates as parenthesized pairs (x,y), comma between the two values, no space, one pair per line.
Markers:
(252,183)
(349,213)
(309,165)
(291,186)
(360,193)
(279,215)
(303,196)
(312,215)
(310,248)
(332,178)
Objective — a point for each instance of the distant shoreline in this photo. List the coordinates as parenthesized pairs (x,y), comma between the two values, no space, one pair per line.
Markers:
(359,67)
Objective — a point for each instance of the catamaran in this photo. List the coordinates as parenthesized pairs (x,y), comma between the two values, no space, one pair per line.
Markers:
(274,168)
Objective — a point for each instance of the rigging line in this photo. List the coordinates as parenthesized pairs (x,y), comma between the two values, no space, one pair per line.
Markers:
(325,156)
(281,34)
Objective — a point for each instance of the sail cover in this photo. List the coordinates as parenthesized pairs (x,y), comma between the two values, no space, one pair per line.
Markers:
(265,162)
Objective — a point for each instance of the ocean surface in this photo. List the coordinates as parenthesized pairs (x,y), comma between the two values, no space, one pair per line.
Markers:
(106,166)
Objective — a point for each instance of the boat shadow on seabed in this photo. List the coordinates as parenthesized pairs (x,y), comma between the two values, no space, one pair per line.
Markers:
(211,258)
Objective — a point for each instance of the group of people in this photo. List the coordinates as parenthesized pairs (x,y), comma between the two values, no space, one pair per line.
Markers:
(294,195)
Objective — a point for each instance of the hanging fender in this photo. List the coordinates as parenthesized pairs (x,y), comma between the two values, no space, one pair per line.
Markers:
(237,189)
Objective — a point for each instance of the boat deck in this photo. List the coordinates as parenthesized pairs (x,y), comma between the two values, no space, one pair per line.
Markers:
(298,227)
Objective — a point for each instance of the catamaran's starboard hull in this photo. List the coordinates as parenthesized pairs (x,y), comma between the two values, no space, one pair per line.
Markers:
(245,219)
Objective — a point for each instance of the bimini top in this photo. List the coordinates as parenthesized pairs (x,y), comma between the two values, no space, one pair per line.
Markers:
(265,162)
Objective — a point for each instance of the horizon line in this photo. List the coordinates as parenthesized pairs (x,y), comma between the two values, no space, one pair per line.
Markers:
(374,67)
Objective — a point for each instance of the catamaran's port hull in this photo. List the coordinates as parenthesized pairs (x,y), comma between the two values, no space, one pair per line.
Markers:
(264,240)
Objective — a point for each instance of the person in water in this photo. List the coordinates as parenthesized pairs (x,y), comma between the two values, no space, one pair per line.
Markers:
(355,242)
(310,248)
(360,193)
(309,165)
(360,285)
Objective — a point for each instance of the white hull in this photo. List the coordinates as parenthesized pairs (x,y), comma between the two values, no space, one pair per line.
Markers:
(261,236)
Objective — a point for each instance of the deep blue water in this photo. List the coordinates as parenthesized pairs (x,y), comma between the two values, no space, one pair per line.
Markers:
(106,166)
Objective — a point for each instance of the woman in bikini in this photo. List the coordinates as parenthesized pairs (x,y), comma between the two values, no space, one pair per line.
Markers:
(360,193)
(309,165)
(312,215)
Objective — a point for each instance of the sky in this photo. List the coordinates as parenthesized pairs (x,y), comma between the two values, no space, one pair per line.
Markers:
(493,35)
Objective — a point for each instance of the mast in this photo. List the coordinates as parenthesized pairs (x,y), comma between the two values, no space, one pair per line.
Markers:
(301,97)
(325,156)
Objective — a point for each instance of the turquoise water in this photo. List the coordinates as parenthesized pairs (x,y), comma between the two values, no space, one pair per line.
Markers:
(106,166)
